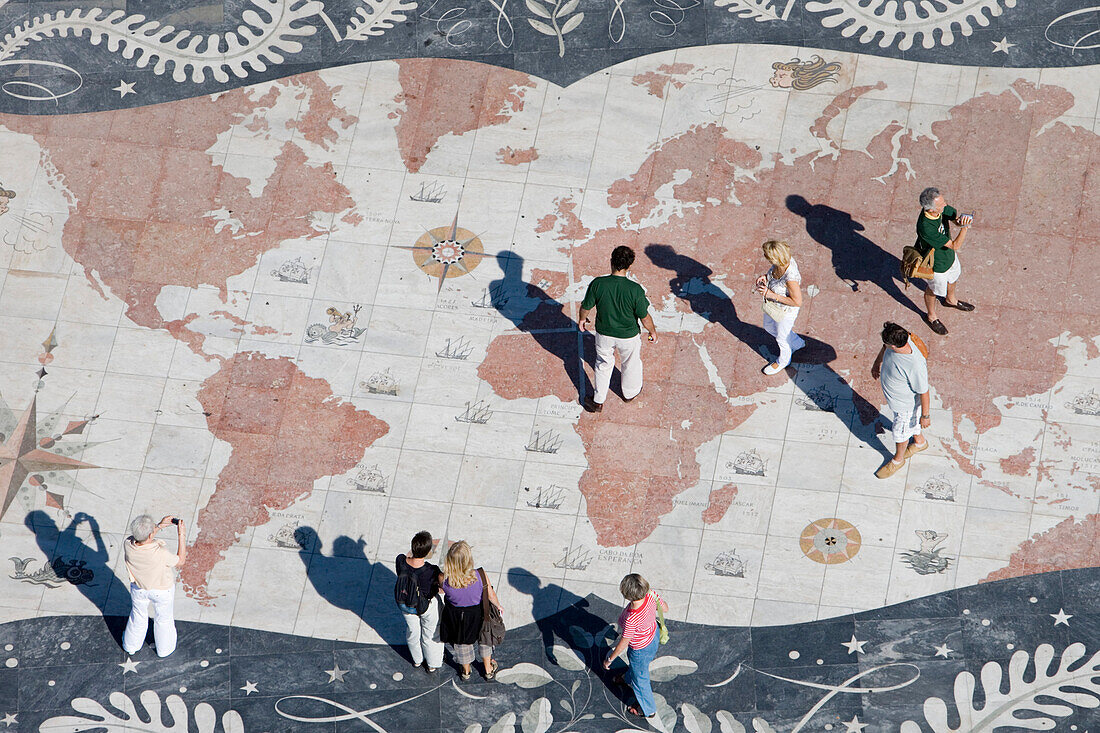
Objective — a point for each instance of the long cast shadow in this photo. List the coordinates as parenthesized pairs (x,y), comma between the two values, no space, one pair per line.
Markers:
(72,561)
(347,579)
(691,282)
(856,259)
(548,323)
(545,602)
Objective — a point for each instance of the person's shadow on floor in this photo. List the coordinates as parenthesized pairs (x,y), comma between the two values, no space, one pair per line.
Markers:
(87,567)
(347,579)
(691,282)
(545,602)
(533,311)
(856,259)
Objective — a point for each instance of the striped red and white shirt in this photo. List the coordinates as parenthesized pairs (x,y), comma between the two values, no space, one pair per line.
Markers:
(639,624)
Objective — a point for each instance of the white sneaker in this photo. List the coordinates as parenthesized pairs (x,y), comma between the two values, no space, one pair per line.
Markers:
(773,368)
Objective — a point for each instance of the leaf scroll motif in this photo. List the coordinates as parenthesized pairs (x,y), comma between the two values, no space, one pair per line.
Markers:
(727,723)
(270,31)
(666,668)
(568,659)
(525,675)
(99,718)
(559,12)
(507,724)
(758,10)
(695,720)
(382,15)
(1051,694)
(538,717)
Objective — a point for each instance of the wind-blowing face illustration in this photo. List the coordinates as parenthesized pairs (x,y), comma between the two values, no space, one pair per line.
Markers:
(5,197)
(802,75)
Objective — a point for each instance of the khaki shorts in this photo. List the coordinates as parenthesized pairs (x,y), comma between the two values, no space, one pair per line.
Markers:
(940,280)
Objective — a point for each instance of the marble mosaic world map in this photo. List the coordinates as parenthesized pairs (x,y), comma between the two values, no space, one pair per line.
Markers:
(315,314)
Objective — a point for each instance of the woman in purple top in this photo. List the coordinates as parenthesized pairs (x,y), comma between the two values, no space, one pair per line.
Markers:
(460,626)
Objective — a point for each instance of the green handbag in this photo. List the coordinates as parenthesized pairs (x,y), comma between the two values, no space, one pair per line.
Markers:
(661,623)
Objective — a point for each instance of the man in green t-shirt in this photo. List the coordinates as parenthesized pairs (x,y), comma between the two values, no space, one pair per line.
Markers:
(934,232)
(620,303)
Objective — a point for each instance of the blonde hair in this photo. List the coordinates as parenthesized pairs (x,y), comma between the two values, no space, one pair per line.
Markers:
(458,566)
(808,74)
(777,252)
(634,587)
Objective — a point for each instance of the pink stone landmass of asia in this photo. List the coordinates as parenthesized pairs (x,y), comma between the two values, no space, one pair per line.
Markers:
(1024,186)
(140,185)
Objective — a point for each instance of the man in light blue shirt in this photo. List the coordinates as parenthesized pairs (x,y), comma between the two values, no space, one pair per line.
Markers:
(902,366)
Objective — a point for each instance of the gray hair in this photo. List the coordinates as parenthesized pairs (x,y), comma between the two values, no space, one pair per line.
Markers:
(928,197)
(633,587)
(142,528)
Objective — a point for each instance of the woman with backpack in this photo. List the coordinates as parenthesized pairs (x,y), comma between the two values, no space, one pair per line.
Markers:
(416,593)
(467,594)
(781,289)
(642,630)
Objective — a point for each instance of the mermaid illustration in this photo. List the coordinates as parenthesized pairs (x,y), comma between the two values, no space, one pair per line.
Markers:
(802,75)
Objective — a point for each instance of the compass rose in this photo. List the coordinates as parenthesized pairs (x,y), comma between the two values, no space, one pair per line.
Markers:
(446,252)
(23,454)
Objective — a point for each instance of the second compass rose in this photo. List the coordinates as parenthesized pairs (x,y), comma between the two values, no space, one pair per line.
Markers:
(446,252)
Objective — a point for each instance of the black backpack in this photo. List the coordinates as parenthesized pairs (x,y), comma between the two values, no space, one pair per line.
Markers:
(406,591)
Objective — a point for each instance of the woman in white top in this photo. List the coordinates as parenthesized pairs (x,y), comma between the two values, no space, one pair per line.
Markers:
(781,289)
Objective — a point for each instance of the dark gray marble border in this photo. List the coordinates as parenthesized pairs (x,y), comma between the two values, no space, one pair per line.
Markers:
(869,672)
(1051,33)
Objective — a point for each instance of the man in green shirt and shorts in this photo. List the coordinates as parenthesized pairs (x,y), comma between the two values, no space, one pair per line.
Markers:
(933,232)
(620,303)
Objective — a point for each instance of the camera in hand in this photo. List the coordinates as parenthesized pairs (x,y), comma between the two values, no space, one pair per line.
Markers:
(175,520)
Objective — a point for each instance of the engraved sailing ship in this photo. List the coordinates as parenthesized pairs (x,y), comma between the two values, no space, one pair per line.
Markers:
(1086,403)
(459,348)
(549,497)
(287,537)
(430,194)
(544,441)
(748,463)
(727,564)
(819,399)
(477,413)
(292,271)
(371,479)
(939,488)
(578,558)
(491,298)
(381,383)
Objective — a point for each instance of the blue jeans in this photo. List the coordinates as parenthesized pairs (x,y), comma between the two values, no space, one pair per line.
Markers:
(639,674)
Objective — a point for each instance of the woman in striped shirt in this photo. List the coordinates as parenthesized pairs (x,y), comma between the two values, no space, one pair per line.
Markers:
(639,639)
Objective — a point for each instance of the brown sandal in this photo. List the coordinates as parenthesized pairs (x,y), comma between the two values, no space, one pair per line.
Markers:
(637,712)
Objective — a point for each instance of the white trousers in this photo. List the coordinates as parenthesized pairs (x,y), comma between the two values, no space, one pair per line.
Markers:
(788,340)
(164,623)
(420,635)
(630,364)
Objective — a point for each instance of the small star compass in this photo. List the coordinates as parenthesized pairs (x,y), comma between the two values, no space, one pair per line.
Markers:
(446,252)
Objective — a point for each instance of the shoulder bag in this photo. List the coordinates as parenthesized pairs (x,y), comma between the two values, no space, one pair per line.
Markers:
(492,623)
(661,628)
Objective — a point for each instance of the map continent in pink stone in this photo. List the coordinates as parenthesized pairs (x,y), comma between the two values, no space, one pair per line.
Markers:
(286,430)
(657,82)
(1024,186)
(140,184)
(442,97)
